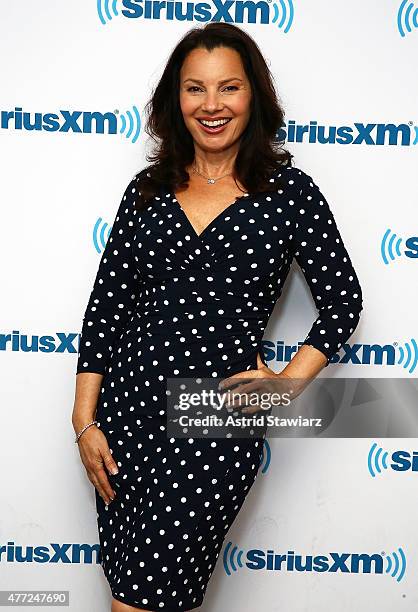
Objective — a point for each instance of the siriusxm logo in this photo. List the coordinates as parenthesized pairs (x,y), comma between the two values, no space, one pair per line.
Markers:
(358,354)
(101,233)
(265,457)
(390,247)
(129,125)
(53,553)
(59,343)
(402,460)
(264,12)
(407,17)
(404,134)
(79,122)
(405,354)
(333,562)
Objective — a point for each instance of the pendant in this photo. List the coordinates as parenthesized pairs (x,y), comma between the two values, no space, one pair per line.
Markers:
(211,181)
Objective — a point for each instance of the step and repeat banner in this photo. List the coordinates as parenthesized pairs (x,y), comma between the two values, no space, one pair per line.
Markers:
(330,521)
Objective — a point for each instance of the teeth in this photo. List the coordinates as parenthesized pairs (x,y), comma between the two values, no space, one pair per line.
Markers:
(214,123)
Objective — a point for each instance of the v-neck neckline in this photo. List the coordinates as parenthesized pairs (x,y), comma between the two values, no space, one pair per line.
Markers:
(215,219)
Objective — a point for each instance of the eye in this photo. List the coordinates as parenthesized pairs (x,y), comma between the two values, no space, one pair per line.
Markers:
(192,88)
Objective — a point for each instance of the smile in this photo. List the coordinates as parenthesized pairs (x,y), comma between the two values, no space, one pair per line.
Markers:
(215,123)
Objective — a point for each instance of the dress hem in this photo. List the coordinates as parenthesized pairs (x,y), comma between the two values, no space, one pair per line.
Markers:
(130,602)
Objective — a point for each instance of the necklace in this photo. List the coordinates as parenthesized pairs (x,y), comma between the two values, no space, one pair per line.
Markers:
(211,181)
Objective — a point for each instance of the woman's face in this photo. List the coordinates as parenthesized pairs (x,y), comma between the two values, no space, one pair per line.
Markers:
(213,85)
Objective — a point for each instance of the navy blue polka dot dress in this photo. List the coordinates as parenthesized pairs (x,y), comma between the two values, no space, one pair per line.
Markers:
(168,302)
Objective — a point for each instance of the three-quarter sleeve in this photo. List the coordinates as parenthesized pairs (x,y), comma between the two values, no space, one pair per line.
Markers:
(323,258)
(114,294)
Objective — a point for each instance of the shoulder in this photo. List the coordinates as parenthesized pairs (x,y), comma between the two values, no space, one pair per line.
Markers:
(143,174)
(297,186)
(293,178)
(299,192)
(133,188)
(137,180)
(138,190)
(130,194)
(145,182)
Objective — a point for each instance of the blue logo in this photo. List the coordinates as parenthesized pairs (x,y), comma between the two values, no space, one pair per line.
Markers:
(53,552)
(377,460)
(279,13)
(101,233)
(60,342)
(235,558)
(80,122)
(407,17)
(408,355)
(370,134)
(265,457)
(405,354)
(402,460)
(390,247)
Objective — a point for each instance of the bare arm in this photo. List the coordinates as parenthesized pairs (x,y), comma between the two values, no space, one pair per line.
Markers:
(306,364)
(86,395)
(93,447)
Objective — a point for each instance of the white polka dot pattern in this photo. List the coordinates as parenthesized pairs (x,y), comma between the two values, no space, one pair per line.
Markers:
(327,267)
(169,302)
(114,293)
(242,260)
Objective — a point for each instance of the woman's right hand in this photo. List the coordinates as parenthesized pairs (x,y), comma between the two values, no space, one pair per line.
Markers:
(95,455)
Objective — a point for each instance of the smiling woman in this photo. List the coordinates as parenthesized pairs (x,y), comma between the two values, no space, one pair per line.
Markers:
(214,73)
(199,252)
(216,105)
(216,112)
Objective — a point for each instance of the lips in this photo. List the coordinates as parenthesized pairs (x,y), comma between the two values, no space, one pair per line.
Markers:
(213,131)
(218,119)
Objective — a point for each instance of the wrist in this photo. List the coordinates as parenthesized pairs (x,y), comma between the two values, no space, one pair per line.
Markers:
(284,374)
(81,418)
(84,429)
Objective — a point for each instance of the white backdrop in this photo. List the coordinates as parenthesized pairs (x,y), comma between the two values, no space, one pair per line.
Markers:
(335,63)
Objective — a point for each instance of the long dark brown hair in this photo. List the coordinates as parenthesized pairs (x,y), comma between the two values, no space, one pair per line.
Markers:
(260,150)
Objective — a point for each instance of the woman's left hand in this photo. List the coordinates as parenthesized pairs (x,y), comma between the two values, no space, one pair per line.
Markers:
(263,380)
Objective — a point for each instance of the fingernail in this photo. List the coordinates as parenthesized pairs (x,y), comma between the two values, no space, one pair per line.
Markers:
(114,471)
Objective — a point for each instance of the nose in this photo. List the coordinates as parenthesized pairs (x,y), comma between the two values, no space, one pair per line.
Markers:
(211,102)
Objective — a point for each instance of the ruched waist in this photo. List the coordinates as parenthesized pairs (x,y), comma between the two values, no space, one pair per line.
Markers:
(182,302)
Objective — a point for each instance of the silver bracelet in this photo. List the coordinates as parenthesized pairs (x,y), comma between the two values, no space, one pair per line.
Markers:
(84,429)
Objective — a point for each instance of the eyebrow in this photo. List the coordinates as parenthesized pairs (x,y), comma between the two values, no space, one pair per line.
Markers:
(220,82)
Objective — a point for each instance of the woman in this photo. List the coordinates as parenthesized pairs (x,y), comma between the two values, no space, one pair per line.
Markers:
(198,254)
